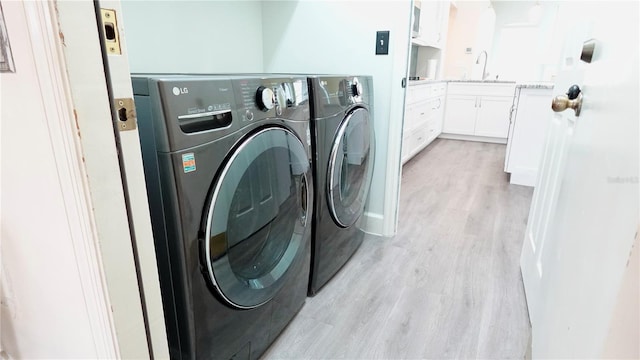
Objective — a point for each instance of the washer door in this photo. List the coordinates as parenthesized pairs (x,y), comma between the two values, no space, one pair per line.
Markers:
(257,217)
(350,168)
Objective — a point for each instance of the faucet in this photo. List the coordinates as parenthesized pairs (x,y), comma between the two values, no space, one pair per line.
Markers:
(486,60)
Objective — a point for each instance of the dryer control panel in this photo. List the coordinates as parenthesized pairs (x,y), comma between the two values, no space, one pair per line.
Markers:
(263,98)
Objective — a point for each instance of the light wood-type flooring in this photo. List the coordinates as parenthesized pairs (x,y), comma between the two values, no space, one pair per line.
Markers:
(448,285)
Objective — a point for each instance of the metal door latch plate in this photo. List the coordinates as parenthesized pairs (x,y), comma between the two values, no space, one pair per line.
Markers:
(126,112)
(110,31)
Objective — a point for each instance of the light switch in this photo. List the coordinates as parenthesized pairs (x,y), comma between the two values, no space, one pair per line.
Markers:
(382,43)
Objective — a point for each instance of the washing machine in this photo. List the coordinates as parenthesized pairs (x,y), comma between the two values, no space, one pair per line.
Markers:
(230,188)
(343,155)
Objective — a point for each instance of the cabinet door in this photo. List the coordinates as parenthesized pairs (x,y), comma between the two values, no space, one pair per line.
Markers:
(460,115)
(493,116)
(437,114)
(429,22)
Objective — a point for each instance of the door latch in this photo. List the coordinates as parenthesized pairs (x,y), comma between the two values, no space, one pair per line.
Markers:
(126,113)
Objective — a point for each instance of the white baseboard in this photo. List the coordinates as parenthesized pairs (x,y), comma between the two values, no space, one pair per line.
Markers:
(373,223)
(487,139)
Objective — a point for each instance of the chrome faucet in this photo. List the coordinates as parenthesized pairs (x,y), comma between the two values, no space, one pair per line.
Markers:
(486,60)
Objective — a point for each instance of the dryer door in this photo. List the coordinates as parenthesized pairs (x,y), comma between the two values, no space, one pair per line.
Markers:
(258,214)
(350,168)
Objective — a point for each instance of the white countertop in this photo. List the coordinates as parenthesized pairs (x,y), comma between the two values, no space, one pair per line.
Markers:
(526,85)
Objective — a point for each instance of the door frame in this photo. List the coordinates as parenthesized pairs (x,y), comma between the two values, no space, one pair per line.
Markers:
(125,323)
(83,210)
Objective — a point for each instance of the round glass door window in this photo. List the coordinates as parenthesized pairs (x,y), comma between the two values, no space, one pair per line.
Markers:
(350,168)
(257,217)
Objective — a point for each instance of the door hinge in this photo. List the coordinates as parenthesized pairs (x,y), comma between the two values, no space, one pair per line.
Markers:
(110,32)
(126,112)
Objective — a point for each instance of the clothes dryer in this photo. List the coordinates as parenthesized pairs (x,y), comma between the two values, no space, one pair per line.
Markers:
(342,138)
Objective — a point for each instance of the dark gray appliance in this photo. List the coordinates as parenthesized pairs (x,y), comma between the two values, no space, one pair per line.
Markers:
(342,140)
(227,166)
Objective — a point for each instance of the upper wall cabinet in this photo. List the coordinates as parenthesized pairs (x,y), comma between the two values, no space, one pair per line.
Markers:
(431,19)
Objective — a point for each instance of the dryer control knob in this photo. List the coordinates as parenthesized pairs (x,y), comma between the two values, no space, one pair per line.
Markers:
(265,99)
(356,88)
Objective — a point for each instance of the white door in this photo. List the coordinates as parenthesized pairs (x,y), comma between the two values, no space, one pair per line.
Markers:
(461,114)
(493,116)
(584,212)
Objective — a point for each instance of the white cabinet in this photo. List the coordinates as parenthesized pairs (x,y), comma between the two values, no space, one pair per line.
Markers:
(461,114)
(529,123)
(478,111)
(422,118)
(433,23)
(493,116)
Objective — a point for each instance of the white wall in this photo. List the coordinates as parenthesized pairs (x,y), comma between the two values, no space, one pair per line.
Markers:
(339,37)
(194,36)
(532,60)
(468,28)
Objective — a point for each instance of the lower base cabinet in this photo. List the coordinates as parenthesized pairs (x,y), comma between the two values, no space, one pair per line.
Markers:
(479,110)
(423,118)
(531,118)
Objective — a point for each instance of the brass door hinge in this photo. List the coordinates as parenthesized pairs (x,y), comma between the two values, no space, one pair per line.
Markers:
(126,111)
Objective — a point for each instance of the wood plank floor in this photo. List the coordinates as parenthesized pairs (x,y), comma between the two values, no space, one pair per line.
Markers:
(447,285)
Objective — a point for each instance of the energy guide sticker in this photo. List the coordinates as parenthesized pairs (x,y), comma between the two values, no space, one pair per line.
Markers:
(188,162)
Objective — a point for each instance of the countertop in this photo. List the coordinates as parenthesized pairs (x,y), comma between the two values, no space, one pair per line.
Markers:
(535,85)
(523,85)
(488,81)
(424,82)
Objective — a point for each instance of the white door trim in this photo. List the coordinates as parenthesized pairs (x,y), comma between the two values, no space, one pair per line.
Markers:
(67,151)
(389,219)
(120,76)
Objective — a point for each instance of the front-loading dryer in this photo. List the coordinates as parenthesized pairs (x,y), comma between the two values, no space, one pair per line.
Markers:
(343,155)
(227,166)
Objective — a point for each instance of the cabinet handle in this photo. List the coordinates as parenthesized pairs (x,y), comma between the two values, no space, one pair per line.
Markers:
(476,104)
(479,102)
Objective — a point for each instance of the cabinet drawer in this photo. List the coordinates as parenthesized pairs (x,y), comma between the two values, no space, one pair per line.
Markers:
(434,126)
(481,89)
(417,93)
(422,112)
(438,89)
(418,138)
(416,115)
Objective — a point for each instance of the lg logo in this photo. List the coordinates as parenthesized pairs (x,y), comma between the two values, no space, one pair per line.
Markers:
(177,91)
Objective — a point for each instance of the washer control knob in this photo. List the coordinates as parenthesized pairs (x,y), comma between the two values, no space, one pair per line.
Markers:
(265,99)
(278,110)
(249,115)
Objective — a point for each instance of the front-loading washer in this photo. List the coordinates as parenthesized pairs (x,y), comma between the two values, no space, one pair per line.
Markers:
(230,188)
(342,138)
